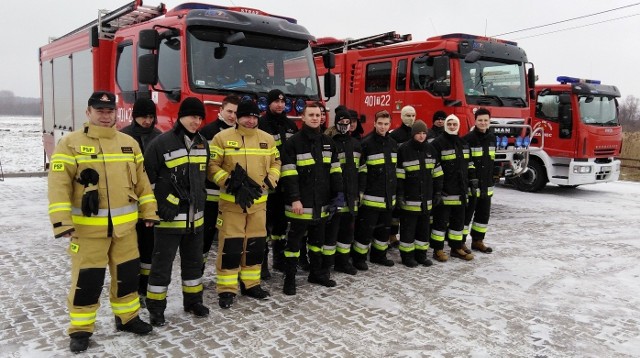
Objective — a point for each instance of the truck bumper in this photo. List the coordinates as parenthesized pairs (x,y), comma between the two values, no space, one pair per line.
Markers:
(589,172)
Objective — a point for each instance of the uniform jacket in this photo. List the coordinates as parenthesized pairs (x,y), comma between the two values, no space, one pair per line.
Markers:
(281,128)
(434,132)
(454,156)
(401,134)
(123,187)
(419,176)
(311,173)
(483,153)
(208,132)
(180,170)
(142,135)
(377,172)
(255,151)
(349,150)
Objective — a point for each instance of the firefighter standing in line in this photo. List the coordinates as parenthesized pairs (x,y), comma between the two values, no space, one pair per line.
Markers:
(438,126)
(340,227)
(176,163)
(482,142)
(311,175)
(377,185)
(143,130)
(401,135)
(97,190)
(243,159)
(459,178)
(226,119)
(276,123)
(419,188)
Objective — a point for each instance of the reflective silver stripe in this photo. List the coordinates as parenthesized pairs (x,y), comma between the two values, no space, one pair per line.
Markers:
(343,246)
(400,170)
(413,203)
(480,225)
(175,154)
(326,153)
(360,246)
(213,191)
(335,165)
(448,152)
(276,137)
(288,167)
(328,248)
(421,243)
(198,215)
(356,154)
(341,155)
(304,210)
(381,243)
(454,232)
(394,155)
(105,212)
(157,289)
(465,151)
(304,156)
(378,199)
(196,151)
(451,197)
(153,186)
(490,189)
(410,163)
(145,266)
(288,135)
(476,149)
(437,232)
(375,156)
(429,160)
(492,148)
(191,283)
(406,244)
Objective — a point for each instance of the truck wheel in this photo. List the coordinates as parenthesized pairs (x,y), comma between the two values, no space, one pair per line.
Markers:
(533,179)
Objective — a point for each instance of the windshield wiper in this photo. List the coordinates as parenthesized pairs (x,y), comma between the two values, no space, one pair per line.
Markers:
(489,96)
(518,100)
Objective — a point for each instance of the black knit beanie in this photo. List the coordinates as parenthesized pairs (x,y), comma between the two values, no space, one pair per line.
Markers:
(191,106)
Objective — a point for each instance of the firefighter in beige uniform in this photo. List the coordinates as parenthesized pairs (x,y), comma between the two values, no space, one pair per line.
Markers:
(97,189)
(245,163)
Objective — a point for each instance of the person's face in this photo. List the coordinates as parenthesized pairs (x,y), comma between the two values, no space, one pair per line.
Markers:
(248,121)
(439,122)
(482,122)
(145,121)
(191,123)
(323,117)
(277,106)
(228,113)
(103,117)
(311,117)
(342,124)
(382,125)
(420,137)
(452,126)
(353,126)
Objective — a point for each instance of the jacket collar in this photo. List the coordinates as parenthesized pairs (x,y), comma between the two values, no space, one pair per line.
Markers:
(94,131)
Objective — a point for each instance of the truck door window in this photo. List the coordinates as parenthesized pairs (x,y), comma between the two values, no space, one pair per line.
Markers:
(547,107)
(378,77)
(169,74)
(401,76)
(598,110)
(124,68)
(421,74)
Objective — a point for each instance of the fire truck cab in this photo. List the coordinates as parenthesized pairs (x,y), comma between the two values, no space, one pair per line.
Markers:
(582,136)
(200,50)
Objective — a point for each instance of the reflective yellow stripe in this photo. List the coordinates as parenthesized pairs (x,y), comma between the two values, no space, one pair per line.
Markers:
(219,175)
(227,280)
(156,296)
(253,275)
(55,207)
(180,224)
(131,306)
(232,199)
(192,289)
(104,221)
(149,198)
(107,158)
(291,254)
(82,319)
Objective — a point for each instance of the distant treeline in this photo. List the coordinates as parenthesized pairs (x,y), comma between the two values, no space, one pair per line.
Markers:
(18,106)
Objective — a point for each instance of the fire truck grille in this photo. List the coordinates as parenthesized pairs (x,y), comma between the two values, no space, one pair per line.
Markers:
(605,152)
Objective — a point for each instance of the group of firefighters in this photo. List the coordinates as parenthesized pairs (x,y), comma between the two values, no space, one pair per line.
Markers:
(332,199)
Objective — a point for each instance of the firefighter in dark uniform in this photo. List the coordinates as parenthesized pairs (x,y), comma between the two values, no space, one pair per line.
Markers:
(419,188)
(459,178)
(438,126)
(97,192)
(340,227)
(311,175)
(276,123)
(401,135)
(482,142)
(176,163)
(143,130)
(226,119)
(245,164)
(377,185)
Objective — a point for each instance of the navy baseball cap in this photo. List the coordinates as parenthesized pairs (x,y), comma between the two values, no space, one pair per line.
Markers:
(102,99)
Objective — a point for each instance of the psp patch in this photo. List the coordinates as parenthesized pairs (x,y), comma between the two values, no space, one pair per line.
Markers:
(57,167)
(127,150)
(85,149)
(232,143)
(74,247)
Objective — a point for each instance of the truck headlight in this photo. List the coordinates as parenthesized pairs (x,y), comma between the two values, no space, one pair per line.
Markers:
(582,169)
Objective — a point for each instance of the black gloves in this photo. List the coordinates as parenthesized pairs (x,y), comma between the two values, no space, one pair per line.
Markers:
(336,204)
(168,208)
(90,199)
(245,189)
(473,184)
(236,179)
(437,199)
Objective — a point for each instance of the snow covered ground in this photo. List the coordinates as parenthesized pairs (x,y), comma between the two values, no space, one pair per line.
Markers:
(564,281)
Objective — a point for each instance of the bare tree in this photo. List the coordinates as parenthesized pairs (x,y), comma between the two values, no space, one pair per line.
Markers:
(629,114)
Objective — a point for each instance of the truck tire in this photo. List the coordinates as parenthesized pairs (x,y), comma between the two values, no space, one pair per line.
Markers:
(533,179)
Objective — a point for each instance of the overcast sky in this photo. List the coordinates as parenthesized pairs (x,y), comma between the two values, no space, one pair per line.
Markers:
(606,50)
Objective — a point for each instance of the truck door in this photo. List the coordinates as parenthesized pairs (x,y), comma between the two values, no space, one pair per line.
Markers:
(377,92)
(125,80)
(550,115)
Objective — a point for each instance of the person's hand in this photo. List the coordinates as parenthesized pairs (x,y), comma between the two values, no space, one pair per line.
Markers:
(297,208)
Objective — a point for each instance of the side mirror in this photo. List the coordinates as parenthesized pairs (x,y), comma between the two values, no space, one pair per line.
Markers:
(472,57)
(329,85)
(148,39)
(531,77)
(440,67)
(148,69)
(329,60)
(564,98)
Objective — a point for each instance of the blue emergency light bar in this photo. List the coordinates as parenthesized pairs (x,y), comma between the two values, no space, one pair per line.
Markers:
(566,79)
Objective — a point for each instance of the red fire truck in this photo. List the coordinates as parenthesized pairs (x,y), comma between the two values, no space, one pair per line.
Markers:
(195,49)
(580,131)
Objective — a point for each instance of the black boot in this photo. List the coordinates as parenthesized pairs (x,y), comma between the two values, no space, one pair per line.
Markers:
(79,341)
(277,249)
(255,292)
(319,269)
(409,259)
(289,287)
(156,311)
(359,261)
(135,325)
(225,299)
(264,269)
(198,309)
(303,261)
(380,257)
(344,265)
(421,257)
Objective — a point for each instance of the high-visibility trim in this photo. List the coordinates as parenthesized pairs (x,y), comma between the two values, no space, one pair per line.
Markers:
(478,227)
(105,158)
(305,159)
(451,200)
(363,168)
(63,158)
(476,151)
(213,194)
(465,231)
(232,198)
(248,152)
(145,269)
(227,280)
(274,171)
(179,224)
(437,235)
(406,247)
(82,319)
(421,245)
(375,201)
(56,207)
(307,213)
(288,253)
(173,199)
(454,235)
(121,308)
(314,248)
(400,173)
(380,245)
(288,170)
(119,216)
(328,250)
(219,175)
(273,237)
(360,248)
(343,248)
(437,172)
(192,286)
(335,168)
(157,292)
(250,275)
(145,199)
(346,209)
(139,158)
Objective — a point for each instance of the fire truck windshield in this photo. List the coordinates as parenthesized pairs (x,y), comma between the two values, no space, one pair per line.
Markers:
(598,110)
(493,83)
(256,64)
